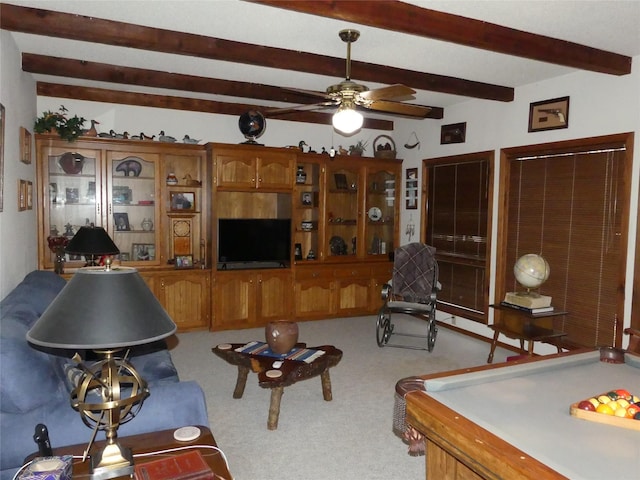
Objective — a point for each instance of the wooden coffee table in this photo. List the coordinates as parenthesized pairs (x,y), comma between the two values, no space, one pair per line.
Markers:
(290,372)
(152,442)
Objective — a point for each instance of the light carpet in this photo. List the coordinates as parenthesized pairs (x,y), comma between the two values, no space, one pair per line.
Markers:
(348,438)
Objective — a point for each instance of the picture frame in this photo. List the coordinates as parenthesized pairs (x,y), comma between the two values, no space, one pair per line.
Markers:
(182,201)
(121,222)
(22,195)
(143,252)
(72,195)
(183,261)
(29,195)
(2,122)
(122,195)
(453,133)
(124,256)
(25,145)
(341,181)
(549,114)
(306,198)
(411,189)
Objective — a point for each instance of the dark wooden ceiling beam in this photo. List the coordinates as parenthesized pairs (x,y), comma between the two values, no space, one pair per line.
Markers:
(103,72)
(407,18)
(189,104)
(89,29)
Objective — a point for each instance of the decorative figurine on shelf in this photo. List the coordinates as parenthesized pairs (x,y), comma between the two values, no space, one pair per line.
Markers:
(188,139)
(147,224)
(311,255)
(57,245)
(166,138)
(91,132)
(130,166)
(172,179)
(190,182)
(68,230)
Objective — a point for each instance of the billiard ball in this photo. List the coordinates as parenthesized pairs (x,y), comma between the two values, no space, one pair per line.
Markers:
(586,405)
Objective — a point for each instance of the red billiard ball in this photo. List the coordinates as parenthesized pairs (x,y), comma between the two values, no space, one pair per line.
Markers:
(586,405)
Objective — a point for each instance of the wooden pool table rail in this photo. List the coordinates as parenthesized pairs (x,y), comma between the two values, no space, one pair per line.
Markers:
(458,449)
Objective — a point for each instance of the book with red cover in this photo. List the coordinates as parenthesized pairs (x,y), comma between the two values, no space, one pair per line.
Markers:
(183,466)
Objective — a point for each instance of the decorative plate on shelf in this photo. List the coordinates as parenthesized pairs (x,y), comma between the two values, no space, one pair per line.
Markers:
(374,214)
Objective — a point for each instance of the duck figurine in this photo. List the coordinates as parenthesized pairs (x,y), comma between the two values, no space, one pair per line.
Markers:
(342,151)
(142,136)
(124,135)
(190,182)
(166,138)
(188,139)
(93,131)
(111,134)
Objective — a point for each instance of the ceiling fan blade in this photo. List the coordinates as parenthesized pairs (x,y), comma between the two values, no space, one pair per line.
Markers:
(300,108)
(311,93)
(388,93)
(407,109)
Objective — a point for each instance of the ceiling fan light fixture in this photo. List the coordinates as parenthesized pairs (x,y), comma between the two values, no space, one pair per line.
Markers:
(347,119)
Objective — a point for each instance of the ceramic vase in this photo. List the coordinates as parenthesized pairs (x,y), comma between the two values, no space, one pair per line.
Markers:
(281,336)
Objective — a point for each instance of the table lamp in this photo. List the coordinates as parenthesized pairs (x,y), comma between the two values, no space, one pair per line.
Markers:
(92,242)
(105,310)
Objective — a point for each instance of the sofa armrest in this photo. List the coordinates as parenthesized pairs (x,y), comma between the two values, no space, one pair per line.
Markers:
(170,405)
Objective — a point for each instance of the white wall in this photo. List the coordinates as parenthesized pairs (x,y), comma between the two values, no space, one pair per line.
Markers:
(599,105)
(18,254)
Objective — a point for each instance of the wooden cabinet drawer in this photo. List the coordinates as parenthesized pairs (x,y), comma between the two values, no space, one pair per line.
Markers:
(347,271)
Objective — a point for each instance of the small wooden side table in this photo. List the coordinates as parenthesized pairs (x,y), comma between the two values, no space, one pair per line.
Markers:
(527,328)
(151,442)
(290,372)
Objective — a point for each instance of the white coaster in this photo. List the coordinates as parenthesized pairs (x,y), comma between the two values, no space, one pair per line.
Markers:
(224,346)
(274,373)
(186,434)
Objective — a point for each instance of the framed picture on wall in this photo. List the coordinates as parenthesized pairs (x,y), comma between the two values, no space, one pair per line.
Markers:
(549,114)
(25,145)
(411,193)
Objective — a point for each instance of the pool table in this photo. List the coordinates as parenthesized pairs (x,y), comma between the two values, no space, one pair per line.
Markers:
(511,421)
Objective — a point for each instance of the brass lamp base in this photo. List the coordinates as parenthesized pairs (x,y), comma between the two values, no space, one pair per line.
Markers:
(114,461)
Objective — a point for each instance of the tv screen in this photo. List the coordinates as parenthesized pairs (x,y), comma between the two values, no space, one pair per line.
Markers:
(252,240)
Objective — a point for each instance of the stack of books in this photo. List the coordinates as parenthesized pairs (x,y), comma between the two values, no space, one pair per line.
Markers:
(533,303)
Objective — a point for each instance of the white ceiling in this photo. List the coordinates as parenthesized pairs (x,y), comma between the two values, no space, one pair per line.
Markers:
(608,25)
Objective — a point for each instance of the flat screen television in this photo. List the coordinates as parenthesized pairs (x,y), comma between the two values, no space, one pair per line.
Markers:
(253,242)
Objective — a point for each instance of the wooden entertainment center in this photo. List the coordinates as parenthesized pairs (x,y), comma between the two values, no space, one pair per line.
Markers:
(162,202)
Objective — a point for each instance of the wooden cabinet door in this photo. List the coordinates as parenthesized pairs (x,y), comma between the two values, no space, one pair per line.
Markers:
(233,300)
(274,296)
(236,171)
(315,298)
(185,297)
(353,296)
(275,171)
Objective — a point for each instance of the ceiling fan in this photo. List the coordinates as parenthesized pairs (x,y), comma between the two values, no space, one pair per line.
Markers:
(347,95)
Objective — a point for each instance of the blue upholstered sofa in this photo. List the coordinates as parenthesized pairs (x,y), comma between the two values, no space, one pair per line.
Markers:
(35,386)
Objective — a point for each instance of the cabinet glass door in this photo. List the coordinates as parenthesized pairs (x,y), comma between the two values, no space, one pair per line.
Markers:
(381,208)
(72,199)
(306,221)
(342,211)
(133,217)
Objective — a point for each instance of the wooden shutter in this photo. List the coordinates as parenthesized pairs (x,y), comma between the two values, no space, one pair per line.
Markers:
(457,225)
(571,207)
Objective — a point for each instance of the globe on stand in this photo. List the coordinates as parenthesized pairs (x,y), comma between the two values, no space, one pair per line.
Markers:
(531,271)
(252,124)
